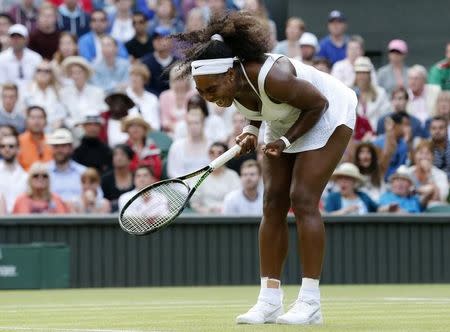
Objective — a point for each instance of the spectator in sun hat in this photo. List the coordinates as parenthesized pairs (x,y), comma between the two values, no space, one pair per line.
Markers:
(81,97)
(401,193)
(145,150)
(92,152)
(333,46)
(309,46)
(440,73)
(18,63)
(395,73)
(159,60)
(349,200)
(64,172)
(372,99)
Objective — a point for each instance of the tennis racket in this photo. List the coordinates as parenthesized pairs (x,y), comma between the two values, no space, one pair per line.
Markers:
(158,205)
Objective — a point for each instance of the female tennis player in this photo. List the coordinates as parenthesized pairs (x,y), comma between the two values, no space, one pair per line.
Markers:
(309,119)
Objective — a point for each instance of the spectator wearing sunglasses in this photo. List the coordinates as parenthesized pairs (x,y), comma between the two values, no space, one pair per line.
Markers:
(13,178)
(38,198)
(141,44)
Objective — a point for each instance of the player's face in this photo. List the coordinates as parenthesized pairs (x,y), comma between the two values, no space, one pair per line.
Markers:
(219,89)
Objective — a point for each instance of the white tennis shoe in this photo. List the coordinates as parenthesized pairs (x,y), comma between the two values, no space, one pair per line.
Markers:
(262,312)
(302,313)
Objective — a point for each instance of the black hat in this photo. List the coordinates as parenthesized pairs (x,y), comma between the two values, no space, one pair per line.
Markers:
(120,96)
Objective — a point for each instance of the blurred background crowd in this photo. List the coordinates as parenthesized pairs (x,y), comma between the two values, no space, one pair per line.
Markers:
(89,115)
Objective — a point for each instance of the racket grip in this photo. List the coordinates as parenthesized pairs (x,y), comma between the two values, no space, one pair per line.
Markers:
(225,157)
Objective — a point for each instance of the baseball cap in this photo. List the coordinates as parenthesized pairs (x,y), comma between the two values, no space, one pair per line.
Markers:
(60,136)
(398,45)
(336,15)
(161,31)
(18,29)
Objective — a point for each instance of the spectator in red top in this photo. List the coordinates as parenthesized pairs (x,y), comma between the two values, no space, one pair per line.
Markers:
(145,151)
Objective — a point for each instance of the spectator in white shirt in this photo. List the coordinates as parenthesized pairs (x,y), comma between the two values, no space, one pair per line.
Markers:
(373,100)
(190,153)
(247,200)
(13,178)
(344,69)
(422,96)
(146,102)
(18,63)
(122,21)
(210,195)
(81,98)
(43,91)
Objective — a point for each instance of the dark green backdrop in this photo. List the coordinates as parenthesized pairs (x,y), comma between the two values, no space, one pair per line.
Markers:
(206,251)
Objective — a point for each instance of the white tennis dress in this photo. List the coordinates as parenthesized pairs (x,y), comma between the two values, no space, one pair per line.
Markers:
(280,117)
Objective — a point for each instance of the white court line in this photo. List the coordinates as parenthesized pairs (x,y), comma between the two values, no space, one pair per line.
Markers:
(47,329)
(424,299)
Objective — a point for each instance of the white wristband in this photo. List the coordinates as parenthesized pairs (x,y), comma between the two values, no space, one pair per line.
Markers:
(251,130)
(286,141)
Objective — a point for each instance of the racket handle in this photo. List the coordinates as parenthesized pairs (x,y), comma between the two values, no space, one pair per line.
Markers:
(225,157)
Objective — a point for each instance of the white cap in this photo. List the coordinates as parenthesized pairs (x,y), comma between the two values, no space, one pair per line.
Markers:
(309,39)
(60,136)
(18,29)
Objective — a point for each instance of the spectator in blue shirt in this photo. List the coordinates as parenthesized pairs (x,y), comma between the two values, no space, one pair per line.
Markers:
(334,46)
(89,44)
(65,173)
(399,99)
(392,143)
(159,60)
(111,73)
(401,194)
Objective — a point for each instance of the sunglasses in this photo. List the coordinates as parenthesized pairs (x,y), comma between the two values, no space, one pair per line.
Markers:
(10,146)
(42,70)
(39,175)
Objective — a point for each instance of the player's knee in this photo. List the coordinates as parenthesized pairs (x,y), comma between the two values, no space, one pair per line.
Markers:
(275,203)
(304,203)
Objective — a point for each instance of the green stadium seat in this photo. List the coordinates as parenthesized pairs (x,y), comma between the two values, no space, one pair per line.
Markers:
(439,209)
(162,140)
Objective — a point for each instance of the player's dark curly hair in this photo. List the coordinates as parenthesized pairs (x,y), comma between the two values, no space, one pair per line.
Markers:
(244,37)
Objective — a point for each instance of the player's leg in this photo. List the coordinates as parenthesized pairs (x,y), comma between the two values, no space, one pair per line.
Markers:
(273,239)
(312,170)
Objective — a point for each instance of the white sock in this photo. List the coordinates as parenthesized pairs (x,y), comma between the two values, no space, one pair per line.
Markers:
(270,295)
(309,290)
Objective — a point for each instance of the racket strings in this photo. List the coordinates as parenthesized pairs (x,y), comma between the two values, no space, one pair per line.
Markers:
(154,208)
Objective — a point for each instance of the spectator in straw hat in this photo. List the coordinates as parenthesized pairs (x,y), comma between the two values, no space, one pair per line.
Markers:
(402,193)
(64,172)
(92,152)
(373,101)
(349,200)
(145,150)
(395,73)
(80,98)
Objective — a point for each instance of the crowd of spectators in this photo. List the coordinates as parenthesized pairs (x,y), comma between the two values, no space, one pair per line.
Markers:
(92,111)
